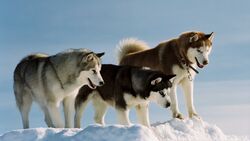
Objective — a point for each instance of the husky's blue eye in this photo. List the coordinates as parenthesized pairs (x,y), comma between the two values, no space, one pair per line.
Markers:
(199,51)
(162,93)
(169,84)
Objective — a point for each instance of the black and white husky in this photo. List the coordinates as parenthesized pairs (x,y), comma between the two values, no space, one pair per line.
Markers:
(125,87)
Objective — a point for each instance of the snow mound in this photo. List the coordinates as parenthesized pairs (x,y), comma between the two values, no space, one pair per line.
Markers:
(173,130)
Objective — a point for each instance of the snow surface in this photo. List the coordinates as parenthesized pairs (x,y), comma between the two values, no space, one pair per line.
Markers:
(173,130)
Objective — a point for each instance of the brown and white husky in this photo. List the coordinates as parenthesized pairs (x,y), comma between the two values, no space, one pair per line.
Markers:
(178,56)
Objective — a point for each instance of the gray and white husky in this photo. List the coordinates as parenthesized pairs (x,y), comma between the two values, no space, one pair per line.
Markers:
(50,80)
(178,56)
(125,87)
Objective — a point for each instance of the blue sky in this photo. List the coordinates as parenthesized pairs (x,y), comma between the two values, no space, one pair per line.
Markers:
(31,26)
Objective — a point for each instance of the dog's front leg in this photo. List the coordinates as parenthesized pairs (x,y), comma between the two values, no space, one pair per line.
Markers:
(54,113)
(68,106)
(123,116)
(174,103)
(187,87)
(142,114)
(47,117)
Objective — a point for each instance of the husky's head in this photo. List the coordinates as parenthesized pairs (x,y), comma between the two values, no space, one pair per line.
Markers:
(199,46)
(159,89)
(91,66)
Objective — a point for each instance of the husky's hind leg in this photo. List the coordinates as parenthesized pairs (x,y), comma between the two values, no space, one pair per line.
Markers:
(81,102)
(24,102)
(100,109)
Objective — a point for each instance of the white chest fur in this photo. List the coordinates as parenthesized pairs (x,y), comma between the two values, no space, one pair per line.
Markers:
(133,101)
(182,73)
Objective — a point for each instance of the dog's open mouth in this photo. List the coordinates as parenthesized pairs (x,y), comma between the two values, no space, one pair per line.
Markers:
(198,64)
(91,85)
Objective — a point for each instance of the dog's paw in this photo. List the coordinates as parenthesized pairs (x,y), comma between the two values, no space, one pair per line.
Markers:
(194,115)
(178,115)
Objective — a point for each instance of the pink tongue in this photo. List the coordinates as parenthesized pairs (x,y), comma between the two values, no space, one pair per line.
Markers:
(201,66)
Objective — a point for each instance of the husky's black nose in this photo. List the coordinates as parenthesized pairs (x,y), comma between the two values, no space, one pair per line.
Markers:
(101,83)
(167,105)
(205,62)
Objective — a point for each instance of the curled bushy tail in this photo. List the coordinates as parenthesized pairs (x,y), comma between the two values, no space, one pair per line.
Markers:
(128,46)
(34,56)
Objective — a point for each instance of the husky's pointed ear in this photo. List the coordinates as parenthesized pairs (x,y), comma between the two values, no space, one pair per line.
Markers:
(156,81)
(210,36)
(100,54)
(194,38)
(89,57)
(168,77)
